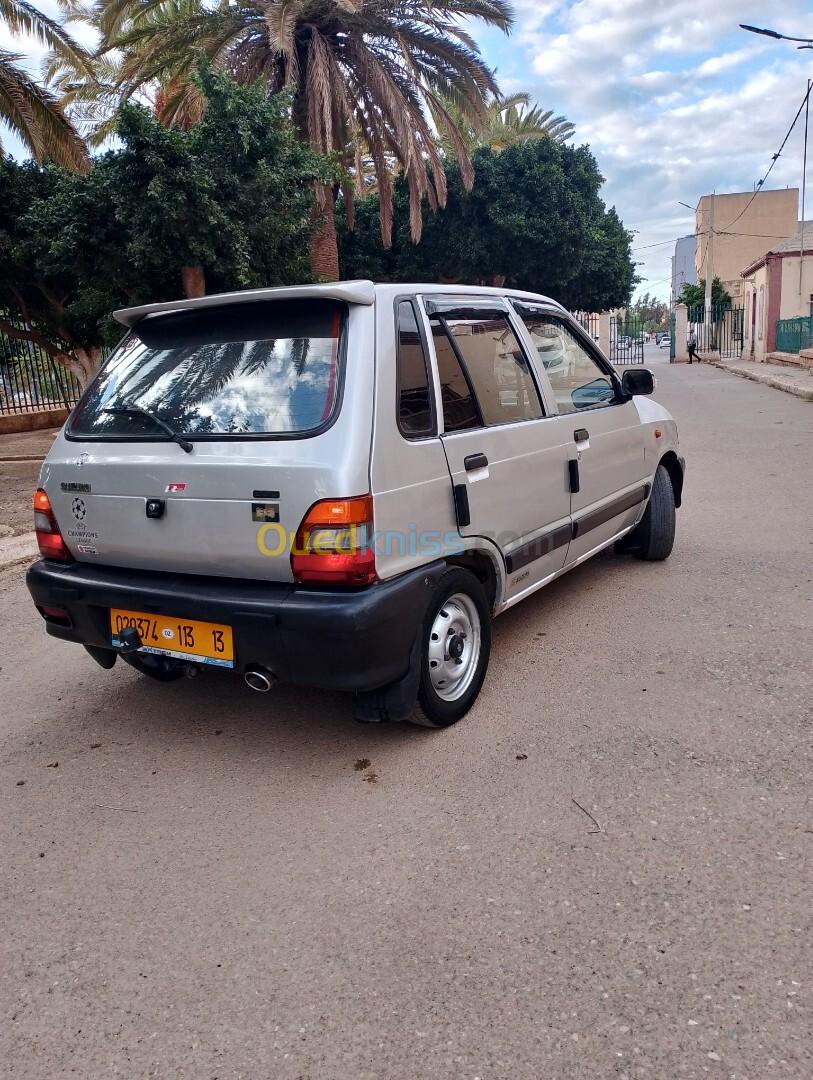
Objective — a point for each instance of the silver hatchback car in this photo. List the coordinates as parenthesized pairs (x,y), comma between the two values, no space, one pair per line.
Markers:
(339,485)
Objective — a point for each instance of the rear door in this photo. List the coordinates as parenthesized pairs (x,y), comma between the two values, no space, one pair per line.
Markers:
(603,432)
(262,394)
(507,461)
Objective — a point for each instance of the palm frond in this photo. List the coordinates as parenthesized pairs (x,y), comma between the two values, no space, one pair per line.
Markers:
(36,116)
(23,18)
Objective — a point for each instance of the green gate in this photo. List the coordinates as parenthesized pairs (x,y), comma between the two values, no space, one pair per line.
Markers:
(672,338)
(793,335)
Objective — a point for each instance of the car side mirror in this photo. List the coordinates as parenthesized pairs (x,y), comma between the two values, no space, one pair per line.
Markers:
(637,381)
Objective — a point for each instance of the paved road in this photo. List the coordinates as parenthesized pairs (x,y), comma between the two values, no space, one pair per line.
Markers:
(261,906)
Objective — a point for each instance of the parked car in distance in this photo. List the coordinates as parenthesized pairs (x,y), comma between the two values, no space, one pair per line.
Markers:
(665,342)
(339,486)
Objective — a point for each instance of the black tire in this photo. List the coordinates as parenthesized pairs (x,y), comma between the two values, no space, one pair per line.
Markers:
(654,536)
(432,709)
(160,668)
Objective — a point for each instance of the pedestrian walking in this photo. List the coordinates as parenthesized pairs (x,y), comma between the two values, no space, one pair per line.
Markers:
(691,345)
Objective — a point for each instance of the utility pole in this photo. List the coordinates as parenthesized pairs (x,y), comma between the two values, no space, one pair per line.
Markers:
(804,195)
(710,262)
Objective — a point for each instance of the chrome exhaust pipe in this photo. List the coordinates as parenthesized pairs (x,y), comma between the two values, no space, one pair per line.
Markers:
(258,679)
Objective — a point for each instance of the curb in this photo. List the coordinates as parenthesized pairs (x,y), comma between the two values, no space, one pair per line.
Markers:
(17,549)
(22,457)
(803,392)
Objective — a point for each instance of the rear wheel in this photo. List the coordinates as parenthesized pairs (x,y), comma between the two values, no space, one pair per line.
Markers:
(455,648)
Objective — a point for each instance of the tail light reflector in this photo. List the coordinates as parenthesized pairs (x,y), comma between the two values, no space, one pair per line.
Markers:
(334,543)
(49,538)
(54,615)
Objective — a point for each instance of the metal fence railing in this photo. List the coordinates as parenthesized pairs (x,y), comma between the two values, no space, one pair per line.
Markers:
(722,332)
(627,339)
(793,335)
(589,320)
(30,379)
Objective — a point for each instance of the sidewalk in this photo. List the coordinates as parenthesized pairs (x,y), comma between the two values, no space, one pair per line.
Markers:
(27,445)
(20,459)
(793,381)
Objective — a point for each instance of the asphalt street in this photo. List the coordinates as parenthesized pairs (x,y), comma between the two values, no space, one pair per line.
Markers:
(201,882)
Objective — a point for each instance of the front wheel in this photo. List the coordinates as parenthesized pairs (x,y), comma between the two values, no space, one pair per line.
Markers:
(455,648)
(654,536)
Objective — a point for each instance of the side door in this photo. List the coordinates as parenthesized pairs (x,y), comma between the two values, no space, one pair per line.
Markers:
(606,443)
(507,461)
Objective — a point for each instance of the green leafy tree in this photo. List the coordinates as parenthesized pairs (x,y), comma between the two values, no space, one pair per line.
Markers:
(224,206)
(364,76)
(695,295)
(653,313)
(31,111)
(533,219)
(229,200)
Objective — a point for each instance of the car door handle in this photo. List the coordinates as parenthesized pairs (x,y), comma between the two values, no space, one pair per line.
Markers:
(573,476)
(475,461)
(581,435)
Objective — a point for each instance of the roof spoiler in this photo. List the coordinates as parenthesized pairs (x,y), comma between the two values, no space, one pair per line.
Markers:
(352,292)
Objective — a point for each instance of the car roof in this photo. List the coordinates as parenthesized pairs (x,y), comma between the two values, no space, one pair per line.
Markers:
(352,292)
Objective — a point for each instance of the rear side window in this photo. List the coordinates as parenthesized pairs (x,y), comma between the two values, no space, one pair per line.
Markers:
(497,369)
(415,417)
(460,410)
(268,368)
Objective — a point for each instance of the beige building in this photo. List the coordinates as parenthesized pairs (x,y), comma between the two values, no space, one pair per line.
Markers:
(745,227)
(778,285)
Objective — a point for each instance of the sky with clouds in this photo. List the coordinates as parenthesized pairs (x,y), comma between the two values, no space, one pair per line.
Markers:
(673,98)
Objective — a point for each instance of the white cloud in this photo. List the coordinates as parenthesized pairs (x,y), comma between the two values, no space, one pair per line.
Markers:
(716,65)
(674,100)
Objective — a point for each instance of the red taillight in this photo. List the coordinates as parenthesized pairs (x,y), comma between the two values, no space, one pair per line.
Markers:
(335,542)
(49,538)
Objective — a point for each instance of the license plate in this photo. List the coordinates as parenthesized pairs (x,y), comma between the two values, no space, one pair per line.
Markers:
(185,639)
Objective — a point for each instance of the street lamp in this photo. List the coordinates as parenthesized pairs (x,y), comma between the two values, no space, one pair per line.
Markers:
(808,42)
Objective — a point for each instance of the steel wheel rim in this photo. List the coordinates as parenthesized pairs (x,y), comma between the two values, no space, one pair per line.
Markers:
(454,647)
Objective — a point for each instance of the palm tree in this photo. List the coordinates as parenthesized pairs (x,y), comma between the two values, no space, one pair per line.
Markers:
(370,73)
(510,120)
(33,113)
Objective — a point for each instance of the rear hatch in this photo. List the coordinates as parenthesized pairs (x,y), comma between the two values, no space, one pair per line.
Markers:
(255,393)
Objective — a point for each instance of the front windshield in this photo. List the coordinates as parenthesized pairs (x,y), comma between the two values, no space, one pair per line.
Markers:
(267,368)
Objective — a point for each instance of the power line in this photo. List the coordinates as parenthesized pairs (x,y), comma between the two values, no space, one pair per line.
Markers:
(663,243)
(774,160)
(758,235)
(648,247)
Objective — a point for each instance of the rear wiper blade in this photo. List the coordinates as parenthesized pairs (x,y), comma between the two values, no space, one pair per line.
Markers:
(137,410)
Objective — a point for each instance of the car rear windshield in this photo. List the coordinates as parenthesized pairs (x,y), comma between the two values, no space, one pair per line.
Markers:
(266,368)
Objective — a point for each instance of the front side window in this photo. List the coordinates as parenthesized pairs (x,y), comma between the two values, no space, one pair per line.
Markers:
(270,368)
(578,381)
(415,417)
(496,368)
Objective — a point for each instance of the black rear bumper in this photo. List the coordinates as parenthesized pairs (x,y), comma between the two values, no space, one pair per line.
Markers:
(336,639)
